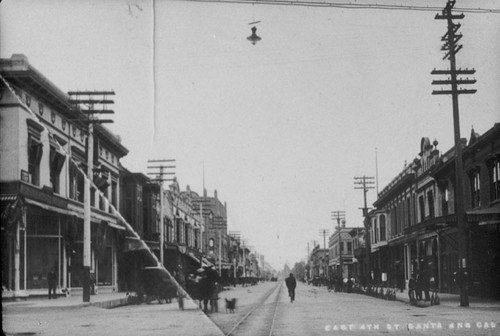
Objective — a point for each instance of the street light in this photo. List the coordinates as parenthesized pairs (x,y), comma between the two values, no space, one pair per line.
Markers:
(254,38)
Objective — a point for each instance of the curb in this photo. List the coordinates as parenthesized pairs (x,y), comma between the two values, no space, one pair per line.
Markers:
(112,303)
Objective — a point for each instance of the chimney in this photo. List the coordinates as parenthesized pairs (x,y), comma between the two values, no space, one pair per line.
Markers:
(188,188)
(204,192)
(215,193)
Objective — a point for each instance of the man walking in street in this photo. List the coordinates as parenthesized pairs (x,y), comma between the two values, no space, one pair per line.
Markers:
(291,283)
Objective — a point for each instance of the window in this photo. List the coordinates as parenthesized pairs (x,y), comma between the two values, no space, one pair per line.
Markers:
(430,201)
(35,150)
(76,179)
(92,196)
(114,191)
(444,203)
(495,180)
(178,231)
(408,211)
(421,204)
(475,189)
(349,247)
(382,228)
(57,159)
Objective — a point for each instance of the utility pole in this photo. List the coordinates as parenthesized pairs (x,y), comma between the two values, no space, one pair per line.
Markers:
(451,48)
(93,99)
(365,183)
(236,235)
(324,233)
(339,216)
(160,178)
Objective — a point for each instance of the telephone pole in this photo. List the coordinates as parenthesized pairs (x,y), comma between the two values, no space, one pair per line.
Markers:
(365,183)
(450,46)
(95,103)
(339,216)
(324,233)
(160,177)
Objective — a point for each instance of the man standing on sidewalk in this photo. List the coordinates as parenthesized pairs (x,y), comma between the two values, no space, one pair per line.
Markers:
(291,283)
(52,283)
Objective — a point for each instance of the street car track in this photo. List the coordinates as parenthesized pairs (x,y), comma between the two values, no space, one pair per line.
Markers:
(242,327)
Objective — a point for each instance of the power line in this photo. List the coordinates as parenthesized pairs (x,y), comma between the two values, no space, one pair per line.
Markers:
(343,5)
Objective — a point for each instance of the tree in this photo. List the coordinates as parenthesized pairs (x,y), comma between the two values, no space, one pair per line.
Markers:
(299,270)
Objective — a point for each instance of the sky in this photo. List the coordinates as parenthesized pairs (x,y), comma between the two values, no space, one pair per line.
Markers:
(280,128)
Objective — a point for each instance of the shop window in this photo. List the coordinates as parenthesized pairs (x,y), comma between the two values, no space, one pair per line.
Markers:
(105,267)
(475,189)
(495,180)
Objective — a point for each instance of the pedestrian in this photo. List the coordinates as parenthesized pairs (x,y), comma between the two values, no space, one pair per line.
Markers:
(411,288)
(425,285)
(349,285)
(418,286)
(52,282)
(291,283)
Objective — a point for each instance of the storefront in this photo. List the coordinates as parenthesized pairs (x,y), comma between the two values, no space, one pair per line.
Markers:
(48,237)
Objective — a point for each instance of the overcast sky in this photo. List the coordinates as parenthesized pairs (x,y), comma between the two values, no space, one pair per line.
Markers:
(280,128)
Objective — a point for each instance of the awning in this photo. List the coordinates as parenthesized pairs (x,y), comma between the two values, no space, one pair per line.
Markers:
(116,226)
(192,256)
(134,244)
(50,207)
(205,262)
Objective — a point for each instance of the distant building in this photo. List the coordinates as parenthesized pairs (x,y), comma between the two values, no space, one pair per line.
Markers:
(341,251)
(319,262)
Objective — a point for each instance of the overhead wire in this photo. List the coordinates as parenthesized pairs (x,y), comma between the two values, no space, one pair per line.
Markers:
(344,5)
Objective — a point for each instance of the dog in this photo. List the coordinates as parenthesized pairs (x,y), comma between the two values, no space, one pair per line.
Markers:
(230,305)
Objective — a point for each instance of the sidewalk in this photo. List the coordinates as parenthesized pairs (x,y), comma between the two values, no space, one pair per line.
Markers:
(453,300)
(65,315)
(105,300)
